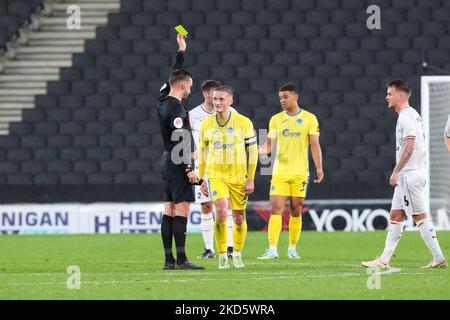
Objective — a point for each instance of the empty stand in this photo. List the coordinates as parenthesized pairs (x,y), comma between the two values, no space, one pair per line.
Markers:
(95,127)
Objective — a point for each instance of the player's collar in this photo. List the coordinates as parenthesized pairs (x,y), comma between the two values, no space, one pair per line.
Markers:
(295,114)
(203,107)
(228,120)
(406,107)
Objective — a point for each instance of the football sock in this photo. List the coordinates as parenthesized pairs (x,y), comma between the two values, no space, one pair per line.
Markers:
(274,230)
(295,228)
(207,226)
(393,237)
(220,235)
(428,234)
(167,236)
(230,227)
(239,234)
(179,233)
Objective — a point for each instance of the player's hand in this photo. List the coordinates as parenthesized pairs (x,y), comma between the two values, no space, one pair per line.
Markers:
(204,188)
(262,151)
(319,173)
(181,42)
(192,176)
(249,186)
(394,179)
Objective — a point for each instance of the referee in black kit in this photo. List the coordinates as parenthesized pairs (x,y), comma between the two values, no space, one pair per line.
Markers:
(177,169)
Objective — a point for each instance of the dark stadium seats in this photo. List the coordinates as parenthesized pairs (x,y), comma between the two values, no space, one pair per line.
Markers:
(13,14)
(370,176)
(96,126)
(345,176)
(382,164)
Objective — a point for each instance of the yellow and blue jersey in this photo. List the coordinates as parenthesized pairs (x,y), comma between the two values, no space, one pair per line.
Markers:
(291,133)
(227,144)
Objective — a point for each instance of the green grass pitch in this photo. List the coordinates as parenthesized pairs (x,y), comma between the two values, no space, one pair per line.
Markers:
(130,267)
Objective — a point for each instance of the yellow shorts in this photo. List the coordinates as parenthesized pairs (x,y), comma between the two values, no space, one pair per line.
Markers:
(295,186)
(235,192)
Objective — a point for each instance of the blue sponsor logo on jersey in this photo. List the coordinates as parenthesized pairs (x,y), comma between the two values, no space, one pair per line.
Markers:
(214,193)
(272,188)
(230,130)
(299,121)
(288,134)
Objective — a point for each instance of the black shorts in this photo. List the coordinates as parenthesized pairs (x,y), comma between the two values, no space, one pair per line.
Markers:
(176,184)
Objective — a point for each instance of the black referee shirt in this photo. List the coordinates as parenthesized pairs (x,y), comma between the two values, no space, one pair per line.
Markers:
(174,121)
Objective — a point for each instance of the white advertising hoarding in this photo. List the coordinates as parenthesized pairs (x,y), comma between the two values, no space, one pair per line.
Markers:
(87,218)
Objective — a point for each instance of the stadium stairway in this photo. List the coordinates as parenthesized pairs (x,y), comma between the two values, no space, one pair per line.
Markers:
(43,46)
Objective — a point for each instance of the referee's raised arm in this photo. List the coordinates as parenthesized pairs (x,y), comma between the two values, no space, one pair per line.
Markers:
(178,64)
(181,49)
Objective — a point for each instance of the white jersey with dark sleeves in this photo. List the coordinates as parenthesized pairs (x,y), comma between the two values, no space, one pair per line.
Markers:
(410,126)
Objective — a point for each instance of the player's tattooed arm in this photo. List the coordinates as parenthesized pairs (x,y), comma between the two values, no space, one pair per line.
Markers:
(406,154)
(404,158)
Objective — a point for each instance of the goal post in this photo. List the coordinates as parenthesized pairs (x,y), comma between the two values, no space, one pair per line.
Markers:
(435,108)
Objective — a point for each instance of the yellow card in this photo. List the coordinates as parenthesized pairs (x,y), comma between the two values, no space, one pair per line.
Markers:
(181,30)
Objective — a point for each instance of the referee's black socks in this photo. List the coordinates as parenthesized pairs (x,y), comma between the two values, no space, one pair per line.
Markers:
(167,236)
(179,233)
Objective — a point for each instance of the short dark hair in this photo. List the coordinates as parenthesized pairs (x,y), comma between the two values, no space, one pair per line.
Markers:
(178,75)
(289,87)
(210,84)
(400,85)
(225,89)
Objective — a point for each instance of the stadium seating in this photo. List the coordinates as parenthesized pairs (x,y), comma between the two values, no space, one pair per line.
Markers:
(12,16)
(96,128)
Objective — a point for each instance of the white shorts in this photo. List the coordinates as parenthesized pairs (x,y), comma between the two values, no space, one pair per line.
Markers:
(199,196)
(409,194)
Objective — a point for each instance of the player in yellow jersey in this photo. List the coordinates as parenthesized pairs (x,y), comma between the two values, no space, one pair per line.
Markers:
(225,139)
(294,130)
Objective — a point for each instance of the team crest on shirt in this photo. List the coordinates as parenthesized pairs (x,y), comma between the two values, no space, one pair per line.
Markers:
(178,123)
(299,121)
(230,130)
(272,188)
(214,193)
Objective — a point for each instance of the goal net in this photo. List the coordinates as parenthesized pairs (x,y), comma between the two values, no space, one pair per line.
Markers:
(435,101)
